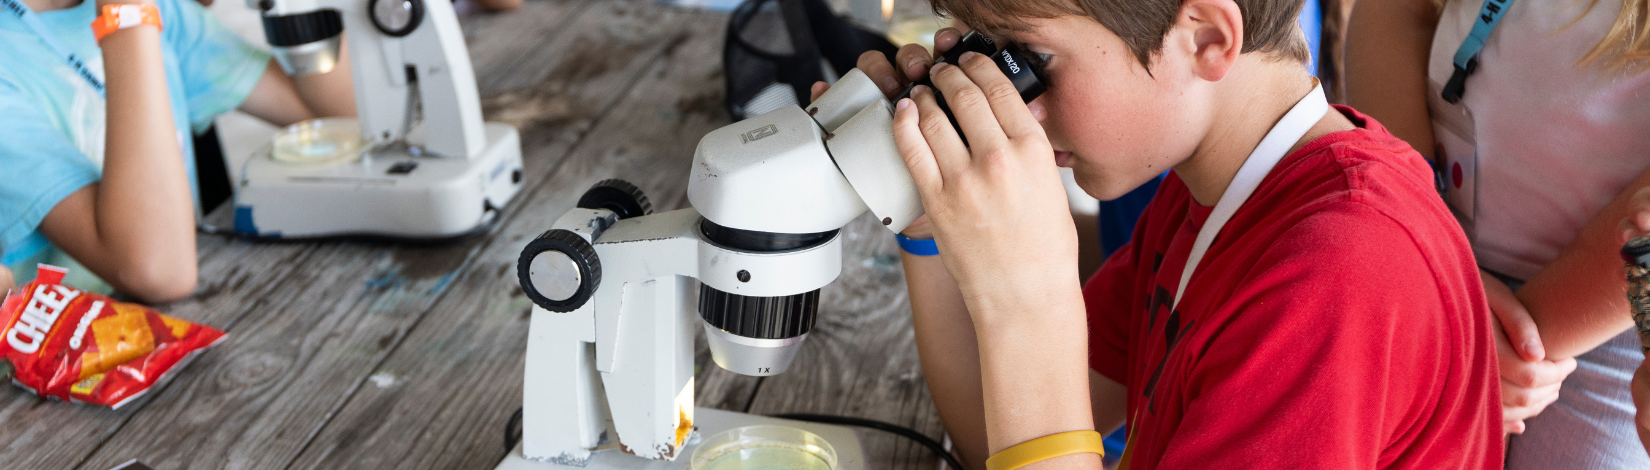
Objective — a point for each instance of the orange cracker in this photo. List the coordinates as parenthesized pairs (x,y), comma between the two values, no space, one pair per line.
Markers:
(120,338)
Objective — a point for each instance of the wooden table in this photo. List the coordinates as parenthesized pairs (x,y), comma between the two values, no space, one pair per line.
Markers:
(357,355)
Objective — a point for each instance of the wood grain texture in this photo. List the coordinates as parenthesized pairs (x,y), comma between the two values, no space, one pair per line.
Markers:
(363,355)
(56,435)
(277,421)
(449,410)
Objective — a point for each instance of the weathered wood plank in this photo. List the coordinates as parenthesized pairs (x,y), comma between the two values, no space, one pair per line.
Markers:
(861,358)
(447,409)
(59,435)
(501,44)
(391,291)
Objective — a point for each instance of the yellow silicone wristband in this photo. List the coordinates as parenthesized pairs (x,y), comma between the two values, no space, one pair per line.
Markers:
(1046,447)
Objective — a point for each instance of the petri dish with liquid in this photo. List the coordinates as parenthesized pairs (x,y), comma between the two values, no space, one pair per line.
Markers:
(764,447)
(325,140)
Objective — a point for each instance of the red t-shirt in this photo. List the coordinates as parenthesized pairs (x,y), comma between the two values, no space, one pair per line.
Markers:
(1337,322)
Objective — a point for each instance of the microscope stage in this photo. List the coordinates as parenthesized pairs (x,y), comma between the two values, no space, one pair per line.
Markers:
(387,194)
(709,422)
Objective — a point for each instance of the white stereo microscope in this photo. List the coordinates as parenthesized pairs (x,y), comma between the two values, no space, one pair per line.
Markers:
(418,163)
(610,345)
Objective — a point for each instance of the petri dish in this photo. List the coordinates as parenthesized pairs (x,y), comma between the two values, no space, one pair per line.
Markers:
(325,140)
(764,447)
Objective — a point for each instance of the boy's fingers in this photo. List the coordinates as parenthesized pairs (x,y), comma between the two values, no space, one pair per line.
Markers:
(949,153)
(1013,116)
(819,88)
(913,61)
(968,104)
(945,39)
(876,67)
(913,148)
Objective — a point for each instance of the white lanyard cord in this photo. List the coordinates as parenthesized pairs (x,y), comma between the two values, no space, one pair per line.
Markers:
(33,22)
(1272,149)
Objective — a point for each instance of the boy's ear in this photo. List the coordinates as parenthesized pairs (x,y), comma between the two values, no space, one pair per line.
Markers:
(1215,28)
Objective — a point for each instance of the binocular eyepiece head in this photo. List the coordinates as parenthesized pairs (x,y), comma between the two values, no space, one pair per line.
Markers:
(1023,69)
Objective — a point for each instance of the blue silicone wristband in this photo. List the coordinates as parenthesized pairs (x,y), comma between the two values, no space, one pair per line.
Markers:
(917,247)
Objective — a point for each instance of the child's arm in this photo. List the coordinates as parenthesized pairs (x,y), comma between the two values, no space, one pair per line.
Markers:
(281,99)
(1388,47)
(135,228)
(1579,300)
(948,350)
(999,209)
(945,332)
(1388,44)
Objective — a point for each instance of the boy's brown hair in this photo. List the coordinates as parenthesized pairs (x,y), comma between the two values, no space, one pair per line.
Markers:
(1268,25)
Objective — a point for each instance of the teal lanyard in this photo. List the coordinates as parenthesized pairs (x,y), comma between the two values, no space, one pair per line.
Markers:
(1466,58)
(28,18)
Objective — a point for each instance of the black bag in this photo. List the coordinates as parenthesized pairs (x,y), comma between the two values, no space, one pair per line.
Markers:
(776,49)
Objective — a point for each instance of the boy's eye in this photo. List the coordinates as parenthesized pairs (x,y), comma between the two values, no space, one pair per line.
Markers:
(1036,52)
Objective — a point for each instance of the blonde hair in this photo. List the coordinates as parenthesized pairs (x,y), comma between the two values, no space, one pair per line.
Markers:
(1627,43)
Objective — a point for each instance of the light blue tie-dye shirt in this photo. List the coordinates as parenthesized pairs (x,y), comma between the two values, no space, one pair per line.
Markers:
(52,120)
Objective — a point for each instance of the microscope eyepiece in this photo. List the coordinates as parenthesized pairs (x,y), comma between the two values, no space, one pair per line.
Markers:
(1023,69)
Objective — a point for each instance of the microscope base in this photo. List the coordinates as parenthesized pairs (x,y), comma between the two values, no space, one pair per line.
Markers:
(388,194)
(709,422)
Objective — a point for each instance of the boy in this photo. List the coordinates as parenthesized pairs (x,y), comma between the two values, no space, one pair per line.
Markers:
(1337,321)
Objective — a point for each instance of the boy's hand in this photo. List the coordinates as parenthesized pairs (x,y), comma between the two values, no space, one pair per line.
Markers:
(892,81)
(1000,201)
(1529,382)
(6,281)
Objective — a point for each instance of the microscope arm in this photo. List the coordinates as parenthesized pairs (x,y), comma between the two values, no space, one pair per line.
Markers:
(394,45)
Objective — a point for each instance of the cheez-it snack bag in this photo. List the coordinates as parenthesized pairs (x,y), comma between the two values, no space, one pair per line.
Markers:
(70,345)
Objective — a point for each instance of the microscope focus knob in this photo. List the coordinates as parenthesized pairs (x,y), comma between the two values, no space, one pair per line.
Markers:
(559,270)
(617,195)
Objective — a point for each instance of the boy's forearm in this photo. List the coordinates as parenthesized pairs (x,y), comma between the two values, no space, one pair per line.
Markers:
(949,354)
(1579,300)
(1034,365)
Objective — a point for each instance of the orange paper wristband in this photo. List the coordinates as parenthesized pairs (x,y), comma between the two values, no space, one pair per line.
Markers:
(122,16)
